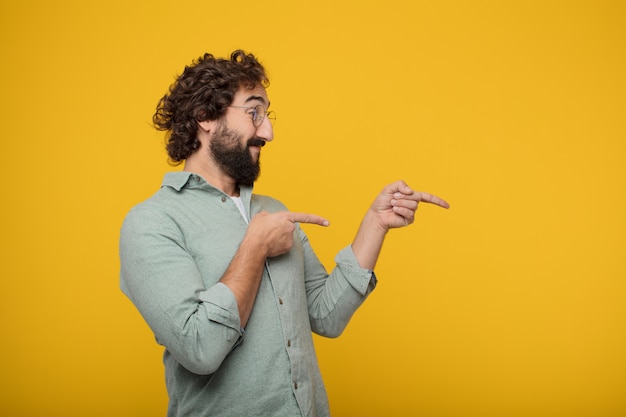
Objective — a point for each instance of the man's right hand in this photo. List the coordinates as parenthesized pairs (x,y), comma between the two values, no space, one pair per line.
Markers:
(274,231)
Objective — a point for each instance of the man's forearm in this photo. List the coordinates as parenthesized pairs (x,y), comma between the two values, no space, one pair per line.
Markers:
(368,241)
(243,277)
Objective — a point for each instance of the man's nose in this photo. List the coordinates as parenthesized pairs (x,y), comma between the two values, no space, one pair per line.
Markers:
(265,131)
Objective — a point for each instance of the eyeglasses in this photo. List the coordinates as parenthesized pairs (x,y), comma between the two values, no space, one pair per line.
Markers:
(258,114)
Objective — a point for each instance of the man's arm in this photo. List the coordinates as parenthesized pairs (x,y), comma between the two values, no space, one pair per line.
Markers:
(198,325)
(333,299)
(268,235)
(394,207)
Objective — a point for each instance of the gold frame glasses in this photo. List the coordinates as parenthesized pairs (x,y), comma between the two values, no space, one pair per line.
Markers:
(258,113)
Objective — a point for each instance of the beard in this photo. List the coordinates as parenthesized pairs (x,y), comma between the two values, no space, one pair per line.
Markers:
(234,158)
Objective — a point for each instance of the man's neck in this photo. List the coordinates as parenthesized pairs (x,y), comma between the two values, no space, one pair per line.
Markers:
(213,175)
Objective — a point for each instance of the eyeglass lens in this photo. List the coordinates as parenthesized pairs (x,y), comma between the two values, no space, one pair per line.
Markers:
(259,114)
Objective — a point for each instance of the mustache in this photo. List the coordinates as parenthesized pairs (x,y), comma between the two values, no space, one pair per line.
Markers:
(256,142)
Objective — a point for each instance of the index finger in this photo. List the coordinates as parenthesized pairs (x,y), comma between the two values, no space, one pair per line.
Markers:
(432,199)
(308,218)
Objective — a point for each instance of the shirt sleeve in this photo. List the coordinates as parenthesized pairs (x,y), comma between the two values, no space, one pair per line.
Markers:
(199,326)
(333,298)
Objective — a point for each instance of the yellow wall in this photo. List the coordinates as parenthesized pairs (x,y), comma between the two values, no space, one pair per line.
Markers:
(509,304)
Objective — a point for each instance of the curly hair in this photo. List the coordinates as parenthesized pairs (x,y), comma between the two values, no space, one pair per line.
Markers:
(203,92)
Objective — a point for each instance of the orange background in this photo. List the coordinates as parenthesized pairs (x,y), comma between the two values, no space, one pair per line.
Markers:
(509,304)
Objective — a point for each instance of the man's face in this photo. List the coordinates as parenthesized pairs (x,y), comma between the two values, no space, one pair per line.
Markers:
(236,142)
(231,152)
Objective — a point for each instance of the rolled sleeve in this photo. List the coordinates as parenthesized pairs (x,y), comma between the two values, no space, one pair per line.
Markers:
(362,280)
(199,326)
(333,298)
(221,306)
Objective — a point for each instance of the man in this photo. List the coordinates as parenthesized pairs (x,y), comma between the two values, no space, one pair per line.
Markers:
(225,278)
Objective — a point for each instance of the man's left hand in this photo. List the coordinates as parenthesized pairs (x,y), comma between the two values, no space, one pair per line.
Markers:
(395,206)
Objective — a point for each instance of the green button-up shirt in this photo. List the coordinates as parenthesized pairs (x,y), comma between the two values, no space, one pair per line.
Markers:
(175,247)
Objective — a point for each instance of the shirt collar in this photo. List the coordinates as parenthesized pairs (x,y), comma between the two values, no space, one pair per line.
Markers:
(185,179)
(176,180)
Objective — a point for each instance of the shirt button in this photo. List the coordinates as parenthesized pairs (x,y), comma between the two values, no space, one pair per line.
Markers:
(288,343)
(223,199)
(295,385)
(280,301)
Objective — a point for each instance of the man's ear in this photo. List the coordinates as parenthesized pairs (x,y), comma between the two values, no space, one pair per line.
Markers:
(207,125)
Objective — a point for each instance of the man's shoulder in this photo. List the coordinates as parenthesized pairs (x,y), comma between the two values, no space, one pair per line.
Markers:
(152,210)
(157,208)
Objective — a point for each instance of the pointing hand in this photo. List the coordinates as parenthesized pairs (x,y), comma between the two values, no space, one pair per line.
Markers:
(395,206)
(275,230)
